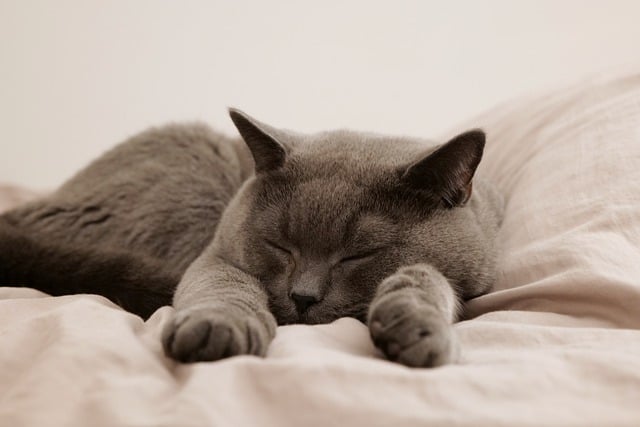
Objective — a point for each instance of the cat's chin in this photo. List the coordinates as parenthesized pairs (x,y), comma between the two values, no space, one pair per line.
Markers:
(317,316)
(306,318)
(309,319)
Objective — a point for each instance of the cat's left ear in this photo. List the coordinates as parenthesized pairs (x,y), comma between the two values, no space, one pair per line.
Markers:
(268,152)
(447,172)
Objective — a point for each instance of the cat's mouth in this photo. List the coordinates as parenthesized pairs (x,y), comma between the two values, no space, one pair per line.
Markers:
(313,316)
(307,317)
(298,319)
(319,315)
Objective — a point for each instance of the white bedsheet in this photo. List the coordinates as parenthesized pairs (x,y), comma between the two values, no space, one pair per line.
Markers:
(558,343)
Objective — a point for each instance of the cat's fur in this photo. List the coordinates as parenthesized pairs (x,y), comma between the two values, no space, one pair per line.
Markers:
(296,228)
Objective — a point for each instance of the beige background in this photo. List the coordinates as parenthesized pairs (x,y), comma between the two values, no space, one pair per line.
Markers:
(76,76)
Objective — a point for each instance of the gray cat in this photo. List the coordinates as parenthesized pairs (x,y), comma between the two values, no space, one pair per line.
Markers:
(279,228)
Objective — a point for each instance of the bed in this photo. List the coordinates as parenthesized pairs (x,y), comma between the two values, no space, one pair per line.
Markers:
(556,343)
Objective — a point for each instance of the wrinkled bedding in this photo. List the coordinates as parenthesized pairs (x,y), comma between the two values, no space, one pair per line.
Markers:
(557,343)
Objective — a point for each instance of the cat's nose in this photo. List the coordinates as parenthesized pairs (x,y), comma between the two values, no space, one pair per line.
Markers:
(303,302)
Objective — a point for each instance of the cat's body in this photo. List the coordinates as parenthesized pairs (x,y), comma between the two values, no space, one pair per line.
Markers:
(329,225)
(158,196)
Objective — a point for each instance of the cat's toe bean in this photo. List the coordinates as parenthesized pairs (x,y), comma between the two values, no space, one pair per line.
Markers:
(432,350)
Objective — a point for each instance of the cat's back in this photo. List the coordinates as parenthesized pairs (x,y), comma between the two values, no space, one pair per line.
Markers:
(184,149)
(160,192)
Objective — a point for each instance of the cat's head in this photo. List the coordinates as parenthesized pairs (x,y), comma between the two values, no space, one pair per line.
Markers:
(326,217)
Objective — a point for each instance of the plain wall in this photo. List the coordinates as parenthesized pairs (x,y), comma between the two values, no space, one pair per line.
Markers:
(77,76)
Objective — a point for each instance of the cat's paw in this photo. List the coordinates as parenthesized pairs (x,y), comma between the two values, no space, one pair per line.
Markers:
(212,333)
(414,334)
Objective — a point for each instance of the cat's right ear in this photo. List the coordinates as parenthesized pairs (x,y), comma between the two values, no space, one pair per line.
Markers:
(268,153)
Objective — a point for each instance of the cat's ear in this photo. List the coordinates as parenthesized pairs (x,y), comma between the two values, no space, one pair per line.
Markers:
(268,152)
(447,172)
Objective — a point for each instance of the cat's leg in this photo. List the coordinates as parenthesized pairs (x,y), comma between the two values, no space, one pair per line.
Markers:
(221,311)
(138,283)
(411,316)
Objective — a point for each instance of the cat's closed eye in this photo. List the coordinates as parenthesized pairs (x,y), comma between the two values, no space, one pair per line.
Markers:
(278,247)
(360,256)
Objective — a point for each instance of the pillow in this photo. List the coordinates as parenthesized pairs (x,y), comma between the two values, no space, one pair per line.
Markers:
(12,195)
(568,164)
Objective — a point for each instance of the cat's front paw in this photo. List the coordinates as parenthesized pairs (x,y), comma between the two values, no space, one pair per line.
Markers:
(212,333)
(412,333)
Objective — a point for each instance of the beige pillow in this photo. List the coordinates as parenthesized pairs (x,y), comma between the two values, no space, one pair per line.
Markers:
(568,164)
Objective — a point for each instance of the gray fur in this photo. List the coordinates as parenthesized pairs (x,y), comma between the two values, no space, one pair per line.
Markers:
(341,223)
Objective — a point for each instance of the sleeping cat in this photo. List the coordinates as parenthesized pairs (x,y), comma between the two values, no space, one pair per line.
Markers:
(276,228)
